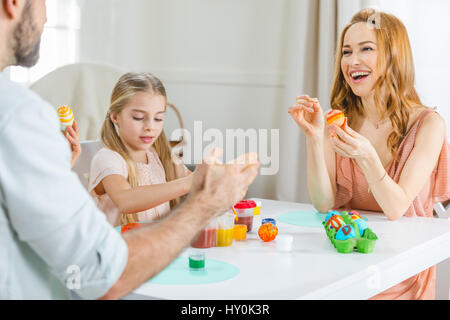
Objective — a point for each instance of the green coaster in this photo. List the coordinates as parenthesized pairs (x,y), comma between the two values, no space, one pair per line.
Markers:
(179,273)
(307,218)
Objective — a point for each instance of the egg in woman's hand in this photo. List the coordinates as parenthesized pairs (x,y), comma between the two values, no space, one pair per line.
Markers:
(336,117)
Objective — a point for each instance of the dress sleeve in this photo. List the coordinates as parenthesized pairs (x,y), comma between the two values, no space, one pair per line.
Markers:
(105,163)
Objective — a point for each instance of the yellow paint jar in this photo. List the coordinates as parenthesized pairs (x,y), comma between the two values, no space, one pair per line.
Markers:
(224,232)
(224,237)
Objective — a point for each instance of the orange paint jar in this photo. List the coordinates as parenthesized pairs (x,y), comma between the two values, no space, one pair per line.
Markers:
(240,232)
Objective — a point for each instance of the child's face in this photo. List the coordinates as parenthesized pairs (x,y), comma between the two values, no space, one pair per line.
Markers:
(359,59)
(141,121)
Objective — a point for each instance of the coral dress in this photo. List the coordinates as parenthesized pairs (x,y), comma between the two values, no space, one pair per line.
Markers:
(352,193)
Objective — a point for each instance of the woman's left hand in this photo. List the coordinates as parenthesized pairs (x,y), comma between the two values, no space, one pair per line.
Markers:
(350,144)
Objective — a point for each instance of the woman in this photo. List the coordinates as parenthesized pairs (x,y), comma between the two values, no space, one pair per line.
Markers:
(392,156)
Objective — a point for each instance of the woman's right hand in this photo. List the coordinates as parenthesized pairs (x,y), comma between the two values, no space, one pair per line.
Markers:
(308,114)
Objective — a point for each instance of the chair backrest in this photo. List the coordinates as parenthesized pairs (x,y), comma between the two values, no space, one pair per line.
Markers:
(441,210)
(83,165)
(86,88)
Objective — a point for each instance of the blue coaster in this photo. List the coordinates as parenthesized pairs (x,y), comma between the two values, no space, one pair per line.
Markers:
(179,273)
(307,218)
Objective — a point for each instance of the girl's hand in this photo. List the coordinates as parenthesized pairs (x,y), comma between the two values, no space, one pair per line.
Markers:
(309,116)
(72,134)
(350,144)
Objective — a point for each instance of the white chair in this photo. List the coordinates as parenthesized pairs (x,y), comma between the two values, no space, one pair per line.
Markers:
(443,268)
(86,88)
(441,210)
(83,165)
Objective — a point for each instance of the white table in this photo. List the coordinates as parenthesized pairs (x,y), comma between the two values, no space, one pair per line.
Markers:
(314,269)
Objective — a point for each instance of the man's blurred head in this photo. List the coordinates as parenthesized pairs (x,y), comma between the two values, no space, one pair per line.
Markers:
(26,37)
(21,26)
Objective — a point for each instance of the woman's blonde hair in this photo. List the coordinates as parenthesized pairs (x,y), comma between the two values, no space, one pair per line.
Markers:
(127,86)
(394,93)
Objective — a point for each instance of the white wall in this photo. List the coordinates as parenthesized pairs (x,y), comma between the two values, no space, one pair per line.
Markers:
(221,61)
(224,61)
(429,32)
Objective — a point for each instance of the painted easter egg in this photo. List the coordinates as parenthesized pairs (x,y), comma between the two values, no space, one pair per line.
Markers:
(330,214)
(345,233)
(268,232)
(354,215)
(335,222)
(66,117)
(362,226)
(336,117)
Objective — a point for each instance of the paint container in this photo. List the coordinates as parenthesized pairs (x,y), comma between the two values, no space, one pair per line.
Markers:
(245,211)
(269,220)
(240,232)
(196,260)
(224,234)
(207,237)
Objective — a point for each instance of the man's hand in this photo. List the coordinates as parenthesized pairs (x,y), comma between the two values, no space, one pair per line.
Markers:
(220,186)
(215,188)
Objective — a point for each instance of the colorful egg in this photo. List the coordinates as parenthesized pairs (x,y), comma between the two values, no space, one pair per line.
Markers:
(66,117)
(354,215)
(268,232)
(335,222)
(330,214)
(362,226)
(345,233)
(336,117)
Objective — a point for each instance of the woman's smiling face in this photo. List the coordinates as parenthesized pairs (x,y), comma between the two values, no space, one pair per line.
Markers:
(359,59)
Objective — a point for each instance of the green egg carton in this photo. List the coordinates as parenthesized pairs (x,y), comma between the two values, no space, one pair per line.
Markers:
(364,244)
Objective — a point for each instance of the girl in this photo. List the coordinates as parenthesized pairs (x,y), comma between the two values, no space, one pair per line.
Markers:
(135,177)
(393,156)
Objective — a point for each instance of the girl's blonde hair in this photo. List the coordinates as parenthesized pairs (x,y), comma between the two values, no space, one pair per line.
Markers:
(394,93)
(127,86)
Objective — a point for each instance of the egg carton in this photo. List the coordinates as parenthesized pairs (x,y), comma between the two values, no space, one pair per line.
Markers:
(364,244)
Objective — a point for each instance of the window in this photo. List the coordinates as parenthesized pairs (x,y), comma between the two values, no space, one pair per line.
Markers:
(60,41)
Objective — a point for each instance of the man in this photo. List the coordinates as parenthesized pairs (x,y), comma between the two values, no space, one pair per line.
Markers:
(52,236)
